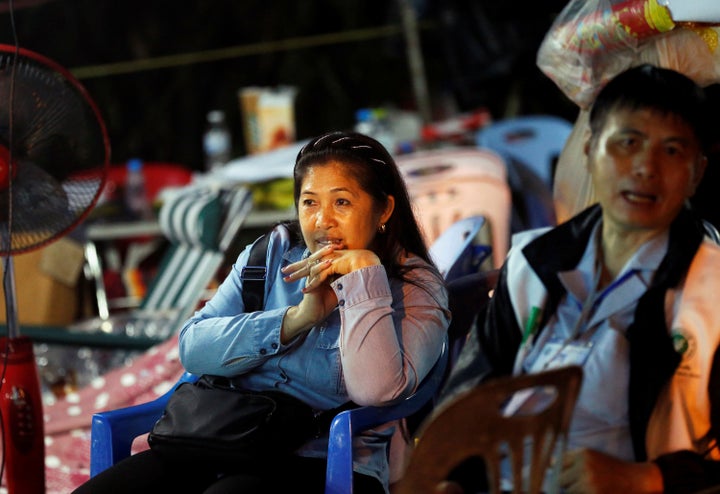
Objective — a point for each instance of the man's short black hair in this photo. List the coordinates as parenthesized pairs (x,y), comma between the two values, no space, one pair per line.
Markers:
(663,90)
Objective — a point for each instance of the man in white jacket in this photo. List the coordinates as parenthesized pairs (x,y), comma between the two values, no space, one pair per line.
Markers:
(625,289)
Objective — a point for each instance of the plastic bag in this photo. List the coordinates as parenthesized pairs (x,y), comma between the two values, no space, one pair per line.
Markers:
(572,187)
(591,41)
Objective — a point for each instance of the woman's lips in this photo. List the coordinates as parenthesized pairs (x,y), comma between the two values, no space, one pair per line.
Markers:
(326,241)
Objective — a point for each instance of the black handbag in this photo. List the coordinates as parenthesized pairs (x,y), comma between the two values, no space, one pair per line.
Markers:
(211,421)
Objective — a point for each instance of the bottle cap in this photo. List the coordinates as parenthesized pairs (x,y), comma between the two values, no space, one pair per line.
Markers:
(216,116)
(363,114)
(134,164)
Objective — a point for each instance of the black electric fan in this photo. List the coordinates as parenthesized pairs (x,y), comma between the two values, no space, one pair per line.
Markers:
(54,155)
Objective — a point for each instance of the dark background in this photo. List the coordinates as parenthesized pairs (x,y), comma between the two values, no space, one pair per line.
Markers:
(476,54)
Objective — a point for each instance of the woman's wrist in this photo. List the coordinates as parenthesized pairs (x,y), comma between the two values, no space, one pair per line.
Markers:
(293,324)
(364,260)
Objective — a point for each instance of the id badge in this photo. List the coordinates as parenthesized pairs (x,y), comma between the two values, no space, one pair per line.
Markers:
(556,353)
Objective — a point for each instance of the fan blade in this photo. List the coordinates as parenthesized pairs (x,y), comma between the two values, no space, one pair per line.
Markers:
(40,207)
(54,151)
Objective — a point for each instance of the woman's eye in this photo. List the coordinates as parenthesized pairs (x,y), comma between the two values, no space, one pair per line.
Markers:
(307,202)
(342,202)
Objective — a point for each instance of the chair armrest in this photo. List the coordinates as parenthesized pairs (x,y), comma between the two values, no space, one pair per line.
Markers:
(113,432)
(346,424)
(97,339)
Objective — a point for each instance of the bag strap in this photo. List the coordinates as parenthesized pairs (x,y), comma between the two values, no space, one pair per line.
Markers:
(253,275)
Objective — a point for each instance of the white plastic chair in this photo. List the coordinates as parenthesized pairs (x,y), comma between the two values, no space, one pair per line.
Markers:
(200,224)
(447,185)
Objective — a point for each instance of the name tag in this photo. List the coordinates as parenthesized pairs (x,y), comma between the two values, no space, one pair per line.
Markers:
(555,353)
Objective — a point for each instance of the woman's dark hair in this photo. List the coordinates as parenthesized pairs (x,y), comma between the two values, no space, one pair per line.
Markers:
(649,87)
(377,173)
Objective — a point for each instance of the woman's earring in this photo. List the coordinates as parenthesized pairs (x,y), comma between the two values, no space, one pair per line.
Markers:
(382,228)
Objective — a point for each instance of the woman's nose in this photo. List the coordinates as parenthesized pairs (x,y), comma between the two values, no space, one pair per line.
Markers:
(324,218)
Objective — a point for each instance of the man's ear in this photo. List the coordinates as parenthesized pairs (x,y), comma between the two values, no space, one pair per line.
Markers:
(699,172)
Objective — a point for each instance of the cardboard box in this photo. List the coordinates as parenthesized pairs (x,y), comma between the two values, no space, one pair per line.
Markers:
(46,284)
(268,117)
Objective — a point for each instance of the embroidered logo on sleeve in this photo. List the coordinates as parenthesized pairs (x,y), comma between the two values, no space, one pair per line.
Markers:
(686,346)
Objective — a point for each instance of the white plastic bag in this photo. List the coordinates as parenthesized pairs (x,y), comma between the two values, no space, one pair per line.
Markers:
(591,41)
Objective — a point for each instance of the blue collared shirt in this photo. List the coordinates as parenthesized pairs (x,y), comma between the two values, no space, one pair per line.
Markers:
(376,346)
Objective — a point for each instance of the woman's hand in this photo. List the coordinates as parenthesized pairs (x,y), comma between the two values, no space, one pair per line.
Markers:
(315,268)
(327,264)
(318,270)
(586,471)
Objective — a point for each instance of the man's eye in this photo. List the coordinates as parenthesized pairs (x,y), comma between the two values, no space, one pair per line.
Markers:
(628,142)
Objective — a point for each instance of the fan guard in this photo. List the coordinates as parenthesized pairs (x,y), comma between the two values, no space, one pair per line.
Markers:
(54,151)
(54,159)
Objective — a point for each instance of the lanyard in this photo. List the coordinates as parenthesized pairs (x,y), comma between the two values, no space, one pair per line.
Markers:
(592,301)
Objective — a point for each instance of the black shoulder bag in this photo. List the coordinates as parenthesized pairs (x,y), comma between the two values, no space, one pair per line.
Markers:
(212,421)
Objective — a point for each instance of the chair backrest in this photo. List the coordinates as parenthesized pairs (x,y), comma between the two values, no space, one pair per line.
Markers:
(446,185)
(530,146)
(200,224)
(536,141)
(469,296)
(517,425)
(347,424)
(461,249)
(711,231)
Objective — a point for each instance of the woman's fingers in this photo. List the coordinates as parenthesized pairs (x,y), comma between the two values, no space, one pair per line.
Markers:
(318,274)
(303,268)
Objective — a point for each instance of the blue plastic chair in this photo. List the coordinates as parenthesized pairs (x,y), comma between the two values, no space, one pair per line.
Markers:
(530,146)
(113,432)
(536,141)
(345,425)
(460,249)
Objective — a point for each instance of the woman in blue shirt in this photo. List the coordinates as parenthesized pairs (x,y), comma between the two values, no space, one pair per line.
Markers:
(355,310)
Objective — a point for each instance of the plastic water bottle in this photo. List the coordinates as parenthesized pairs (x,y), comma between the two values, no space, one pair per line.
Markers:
(364,122)
(136,198)
(217,141)
(373,122)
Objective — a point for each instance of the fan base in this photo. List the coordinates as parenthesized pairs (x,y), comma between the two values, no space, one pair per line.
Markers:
(22,418)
